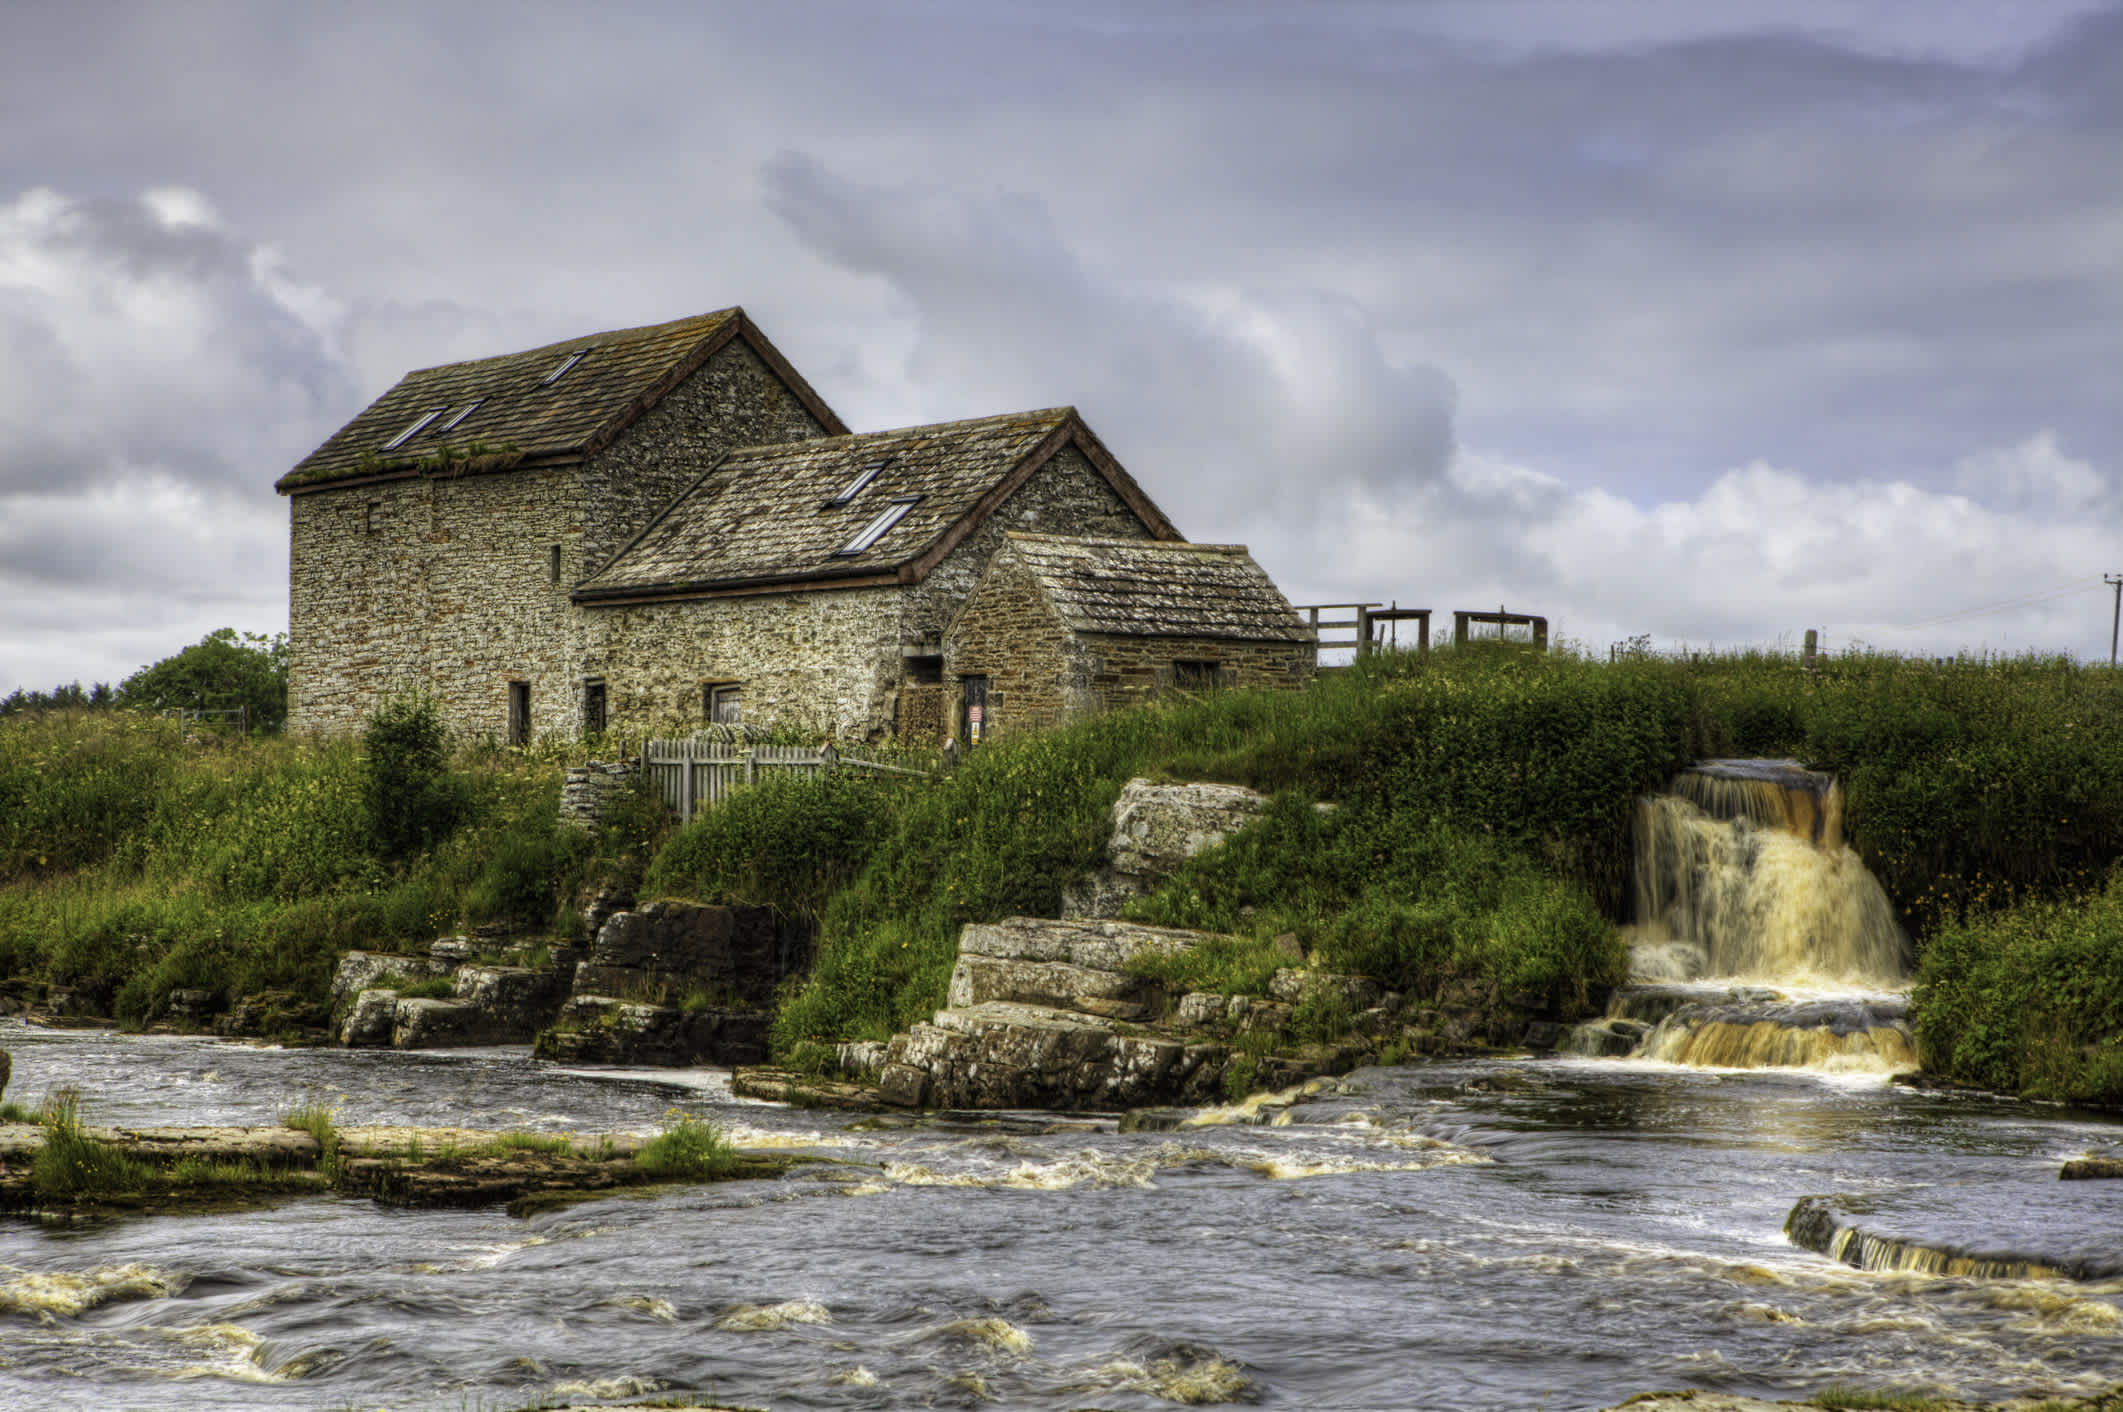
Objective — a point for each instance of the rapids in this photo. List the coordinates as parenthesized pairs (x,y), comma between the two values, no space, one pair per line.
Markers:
(1558,1233)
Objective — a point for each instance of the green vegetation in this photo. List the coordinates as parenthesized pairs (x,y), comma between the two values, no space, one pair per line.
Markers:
(2029,999)
(1846,1399)
(137,859)
(72,1164)
(688,1148)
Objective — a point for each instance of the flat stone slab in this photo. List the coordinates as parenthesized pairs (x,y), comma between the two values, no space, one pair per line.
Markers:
(2035,1229)
(1095,945)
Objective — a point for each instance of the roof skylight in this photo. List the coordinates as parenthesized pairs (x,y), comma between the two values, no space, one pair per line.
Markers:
(453,423)
(412,431)
(870,533)
(568,362)
(862,478)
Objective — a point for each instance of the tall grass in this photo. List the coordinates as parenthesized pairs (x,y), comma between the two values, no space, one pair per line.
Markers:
(135,860)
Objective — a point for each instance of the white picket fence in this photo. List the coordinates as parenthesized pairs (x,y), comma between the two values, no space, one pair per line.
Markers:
(701,771)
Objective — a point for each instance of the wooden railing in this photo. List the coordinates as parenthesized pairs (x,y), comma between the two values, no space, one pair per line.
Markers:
(1370,627)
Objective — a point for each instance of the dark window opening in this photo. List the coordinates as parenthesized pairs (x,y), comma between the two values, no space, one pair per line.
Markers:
(1196,676)
(722,703)
(925,671)
(371,520)
(554,570)
(593,717)
(519,713)
(973,722)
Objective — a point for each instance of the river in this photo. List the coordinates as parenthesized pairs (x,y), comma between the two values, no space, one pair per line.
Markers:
(1554,1233)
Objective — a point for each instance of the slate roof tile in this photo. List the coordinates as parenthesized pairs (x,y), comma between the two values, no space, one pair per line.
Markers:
(519,416)
(1153,588)
(768,513)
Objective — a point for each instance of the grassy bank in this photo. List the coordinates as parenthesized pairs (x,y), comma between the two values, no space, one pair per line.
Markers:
(137,859)
(1482,830)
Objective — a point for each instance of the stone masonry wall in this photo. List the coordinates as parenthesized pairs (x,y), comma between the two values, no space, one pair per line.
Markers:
(735,400)
(357,600)
(496,613)
(1120,671)
(827,661)
(1009,634)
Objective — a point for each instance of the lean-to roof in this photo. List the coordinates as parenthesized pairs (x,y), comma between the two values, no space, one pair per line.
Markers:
(1145,588)
(773,516)
(524,413)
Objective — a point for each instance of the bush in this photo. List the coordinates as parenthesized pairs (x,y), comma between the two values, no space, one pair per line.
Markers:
(2028,999)
(412,801)
(789,842)
(688,1148)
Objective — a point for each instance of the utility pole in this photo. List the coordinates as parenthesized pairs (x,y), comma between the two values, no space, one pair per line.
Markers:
(2116,620)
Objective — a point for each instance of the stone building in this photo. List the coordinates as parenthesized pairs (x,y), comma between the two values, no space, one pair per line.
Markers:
(662,526)
(436,538)
(1061,627)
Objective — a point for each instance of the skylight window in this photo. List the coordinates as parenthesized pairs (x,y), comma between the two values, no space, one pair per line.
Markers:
(412,431)
(862,478)
(453,423)
(891,515)
(562,371)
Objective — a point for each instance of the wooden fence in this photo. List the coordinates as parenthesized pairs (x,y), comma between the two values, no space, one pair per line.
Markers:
(1371,628)
(699,772)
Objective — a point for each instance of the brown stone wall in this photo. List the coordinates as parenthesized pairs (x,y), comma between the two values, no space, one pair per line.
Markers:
(1122,671)
(828,662)
(734,400)
(1008,633)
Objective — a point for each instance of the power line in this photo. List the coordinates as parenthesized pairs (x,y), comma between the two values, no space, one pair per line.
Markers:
(2025,600)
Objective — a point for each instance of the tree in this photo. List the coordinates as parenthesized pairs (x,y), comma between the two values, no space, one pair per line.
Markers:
(223,671)
(413,801)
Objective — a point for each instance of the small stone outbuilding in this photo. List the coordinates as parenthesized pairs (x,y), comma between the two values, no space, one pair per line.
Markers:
(1062,627)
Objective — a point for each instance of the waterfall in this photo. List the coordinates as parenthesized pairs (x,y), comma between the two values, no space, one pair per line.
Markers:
(1742,873)
(1744,889)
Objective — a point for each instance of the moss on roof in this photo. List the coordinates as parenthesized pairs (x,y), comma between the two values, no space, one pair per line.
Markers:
(519,415)
(1150,588)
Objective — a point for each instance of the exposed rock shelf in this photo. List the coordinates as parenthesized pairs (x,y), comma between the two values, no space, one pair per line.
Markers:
(2048,1229)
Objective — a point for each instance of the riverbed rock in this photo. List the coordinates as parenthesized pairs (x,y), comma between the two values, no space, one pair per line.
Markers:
(369,970)
(367,1022)
(2084,1169)
(671,949)
(1156,828)
(602,1029)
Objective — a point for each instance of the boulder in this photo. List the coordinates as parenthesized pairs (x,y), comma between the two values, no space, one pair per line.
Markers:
(191,1004)
(367,970)
(367,1022)
(515,1000)
(1156,828)
(441,1024)
(1003,1055)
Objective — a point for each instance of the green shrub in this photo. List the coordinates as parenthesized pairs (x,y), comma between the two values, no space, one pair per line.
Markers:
(688,1148)
(73,1164)
(411,798)
(2028,999)
(788,841)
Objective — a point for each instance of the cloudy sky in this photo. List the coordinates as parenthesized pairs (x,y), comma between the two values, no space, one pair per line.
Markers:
(1707,320)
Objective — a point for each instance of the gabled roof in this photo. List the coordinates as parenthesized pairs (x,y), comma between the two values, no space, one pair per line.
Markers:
(1144,588)
(770,517)
(524,413)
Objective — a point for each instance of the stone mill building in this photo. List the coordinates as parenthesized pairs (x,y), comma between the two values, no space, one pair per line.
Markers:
(657,527)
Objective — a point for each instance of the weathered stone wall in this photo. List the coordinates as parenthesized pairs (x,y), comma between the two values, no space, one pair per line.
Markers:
(1008,633)
(496,614)
(828,661)
(585,789)
(357,599)
(1121,671)
(1040,675)
(734,400)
